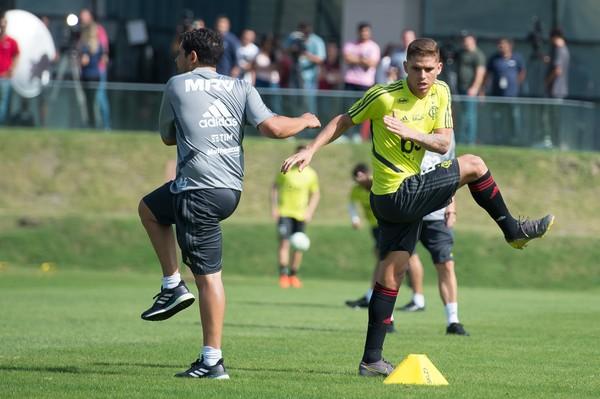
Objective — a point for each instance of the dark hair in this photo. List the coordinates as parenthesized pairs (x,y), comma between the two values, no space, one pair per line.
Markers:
(363,25)
(360,167)
(557,32)
(423,47)
(207,44)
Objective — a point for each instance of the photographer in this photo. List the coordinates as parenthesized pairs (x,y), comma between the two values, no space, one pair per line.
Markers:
(307,52)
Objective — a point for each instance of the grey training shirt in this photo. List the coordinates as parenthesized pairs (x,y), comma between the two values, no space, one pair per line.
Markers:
(206,113)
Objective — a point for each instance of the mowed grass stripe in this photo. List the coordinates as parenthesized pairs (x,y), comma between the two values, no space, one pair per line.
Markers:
(77,333)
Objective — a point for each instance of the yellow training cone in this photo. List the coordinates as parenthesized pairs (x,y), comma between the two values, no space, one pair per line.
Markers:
(416,370)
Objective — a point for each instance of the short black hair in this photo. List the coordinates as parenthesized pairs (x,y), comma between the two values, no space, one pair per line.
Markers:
(207,44)
(360,167)
(557,32)
(363,25)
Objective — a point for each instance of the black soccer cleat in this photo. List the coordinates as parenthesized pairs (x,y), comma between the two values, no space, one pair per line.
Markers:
(375,369)
(358,303)
(168,302)
(529,230)
(456,329)
(199,369)
(412,307)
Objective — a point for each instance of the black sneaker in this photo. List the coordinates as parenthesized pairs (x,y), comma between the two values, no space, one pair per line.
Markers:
(168,302)
(359,303)
(200,370)
(375,369)
(412,307)
(529,230)
(456,329)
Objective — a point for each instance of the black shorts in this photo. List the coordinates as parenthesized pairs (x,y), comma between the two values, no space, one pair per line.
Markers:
(287,226)
(400,213)
(438,239)
(197,217)
(375,232)
(160,203)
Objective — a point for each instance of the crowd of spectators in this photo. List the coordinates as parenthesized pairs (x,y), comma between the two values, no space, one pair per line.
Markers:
(302,59)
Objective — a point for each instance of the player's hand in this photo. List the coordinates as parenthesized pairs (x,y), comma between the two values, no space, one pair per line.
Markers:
(302,158)
(275,214)
(312,122)
(395,126)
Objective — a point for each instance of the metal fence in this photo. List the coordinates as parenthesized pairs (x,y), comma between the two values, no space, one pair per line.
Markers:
(524,122)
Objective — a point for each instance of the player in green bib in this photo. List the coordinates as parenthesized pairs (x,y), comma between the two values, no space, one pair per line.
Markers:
(408,117)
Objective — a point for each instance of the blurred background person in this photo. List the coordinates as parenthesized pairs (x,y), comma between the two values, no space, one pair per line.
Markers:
(361,57)
(386,73)
(330,76)
(398,54)
(246,54)
(266,71)
(294,199)
(228,63)
(505,70)
(557,76)
(505,73)
(90,56)
(101,99)
(9,56)
(307,52)
(470,65)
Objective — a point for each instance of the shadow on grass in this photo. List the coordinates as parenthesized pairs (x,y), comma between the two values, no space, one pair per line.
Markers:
(290,304)
(249,369)
(297,328)
(60,370)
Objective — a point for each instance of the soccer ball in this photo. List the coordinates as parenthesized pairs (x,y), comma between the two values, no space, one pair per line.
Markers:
(300,241)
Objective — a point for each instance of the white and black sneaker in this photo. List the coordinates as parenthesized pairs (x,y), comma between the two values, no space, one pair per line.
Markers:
(199,369)
(168,302)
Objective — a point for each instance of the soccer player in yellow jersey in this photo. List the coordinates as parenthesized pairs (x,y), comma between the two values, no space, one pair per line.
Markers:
(408,117)
(294,199)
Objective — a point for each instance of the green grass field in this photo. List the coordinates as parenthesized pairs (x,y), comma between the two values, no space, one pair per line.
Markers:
(71,199)
(76,334)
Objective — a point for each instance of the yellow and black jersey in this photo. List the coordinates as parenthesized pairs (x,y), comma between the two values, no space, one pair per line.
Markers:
(393,158)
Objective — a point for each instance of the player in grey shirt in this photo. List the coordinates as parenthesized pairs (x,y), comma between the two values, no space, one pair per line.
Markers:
(204,114)
(437,237)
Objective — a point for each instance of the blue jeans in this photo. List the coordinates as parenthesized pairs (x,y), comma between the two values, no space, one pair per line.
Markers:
(5,92)
(468,131)
(102,102)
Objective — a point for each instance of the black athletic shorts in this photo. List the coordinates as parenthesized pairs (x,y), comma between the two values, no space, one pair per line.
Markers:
(400,213)
(287,226)
(375,232)
(160,203)
(438,239)
(196,215)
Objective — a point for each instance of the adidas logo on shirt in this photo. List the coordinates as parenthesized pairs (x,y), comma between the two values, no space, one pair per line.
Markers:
(217,115)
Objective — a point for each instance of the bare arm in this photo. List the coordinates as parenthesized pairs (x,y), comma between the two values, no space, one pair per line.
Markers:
(280,127)
(315,197)
(450,213)
(438,142)
(477,82)
(334,129)
(274,202)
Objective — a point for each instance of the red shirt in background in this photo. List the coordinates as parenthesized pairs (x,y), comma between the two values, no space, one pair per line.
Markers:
(9,49)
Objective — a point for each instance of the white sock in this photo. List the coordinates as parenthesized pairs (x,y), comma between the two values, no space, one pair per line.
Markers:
(211,355)
(173,281)
(369,294)
(452,312)
(419,300)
